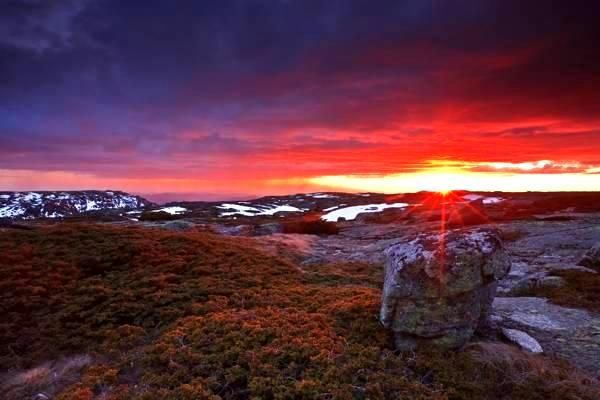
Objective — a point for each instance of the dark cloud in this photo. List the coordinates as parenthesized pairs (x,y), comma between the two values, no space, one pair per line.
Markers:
(38,25)
(106,85)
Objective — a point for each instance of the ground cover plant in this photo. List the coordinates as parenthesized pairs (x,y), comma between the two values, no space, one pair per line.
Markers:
(104,312)
(311,227)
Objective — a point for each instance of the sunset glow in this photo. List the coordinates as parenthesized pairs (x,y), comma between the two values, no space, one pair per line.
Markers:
(448,178)
(417,96)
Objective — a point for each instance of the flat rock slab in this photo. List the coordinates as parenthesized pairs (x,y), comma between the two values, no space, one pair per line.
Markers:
(570,333)
(546,247)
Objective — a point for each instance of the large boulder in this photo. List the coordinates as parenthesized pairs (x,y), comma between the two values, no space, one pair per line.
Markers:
(439,288)
(591,259)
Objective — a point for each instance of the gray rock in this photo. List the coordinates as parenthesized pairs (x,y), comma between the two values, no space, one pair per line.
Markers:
(237,230)
(566,332)
(591,259)
(268,229)
(178,225)
(523,340)
(538,313)
(438,289)
(512,286)
(551,282)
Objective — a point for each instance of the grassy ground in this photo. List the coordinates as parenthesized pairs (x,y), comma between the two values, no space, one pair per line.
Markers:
(129,313)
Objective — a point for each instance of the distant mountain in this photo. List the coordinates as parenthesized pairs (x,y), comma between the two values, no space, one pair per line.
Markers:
(335,206)
(60,204)
(272,206)
(328,206)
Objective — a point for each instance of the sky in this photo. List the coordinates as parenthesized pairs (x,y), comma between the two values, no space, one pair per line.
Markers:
(215,99)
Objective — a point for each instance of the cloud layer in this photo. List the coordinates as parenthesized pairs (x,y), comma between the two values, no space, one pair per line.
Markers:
(242,93)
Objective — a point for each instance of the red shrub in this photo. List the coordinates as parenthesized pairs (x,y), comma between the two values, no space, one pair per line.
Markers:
(315,227)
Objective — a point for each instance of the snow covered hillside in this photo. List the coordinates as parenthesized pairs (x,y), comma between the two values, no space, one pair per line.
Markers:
(31,205)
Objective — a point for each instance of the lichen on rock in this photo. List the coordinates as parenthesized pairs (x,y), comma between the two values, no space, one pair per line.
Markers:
(438,289)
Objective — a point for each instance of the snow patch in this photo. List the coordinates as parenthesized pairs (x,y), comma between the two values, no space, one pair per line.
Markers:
(53,215)
(486,200)
(32,197)
(350,213)
(492,200)
(522,339)
(249,211)
(239,209)
(472,197)
(285,207)
(11,211)
(174,210)
(91,205)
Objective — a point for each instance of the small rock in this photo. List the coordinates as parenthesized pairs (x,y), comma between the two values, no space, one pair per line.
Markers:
(496,318)
(551,282)
(591,259)
(518,270)
(518,287)
(268,229)
(238,230)
(523,340)
(178,225)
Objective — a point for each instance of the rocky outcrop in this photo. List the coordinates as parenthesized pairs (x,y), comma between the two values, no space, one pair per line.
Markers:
(591,259)
(438,289)
(569,333)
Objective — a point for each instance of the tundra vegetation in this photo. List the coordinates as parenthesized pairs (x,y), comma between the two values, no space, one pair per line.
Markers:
(96,312)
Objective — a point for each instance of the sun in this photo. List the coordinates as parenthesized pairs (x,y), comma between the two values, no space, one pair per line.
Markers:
(444,192)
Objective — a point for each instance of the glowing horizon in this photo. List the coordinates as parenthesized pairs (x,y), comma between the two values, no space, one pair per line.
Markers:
(476,182)
(447,175)
(439,176)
